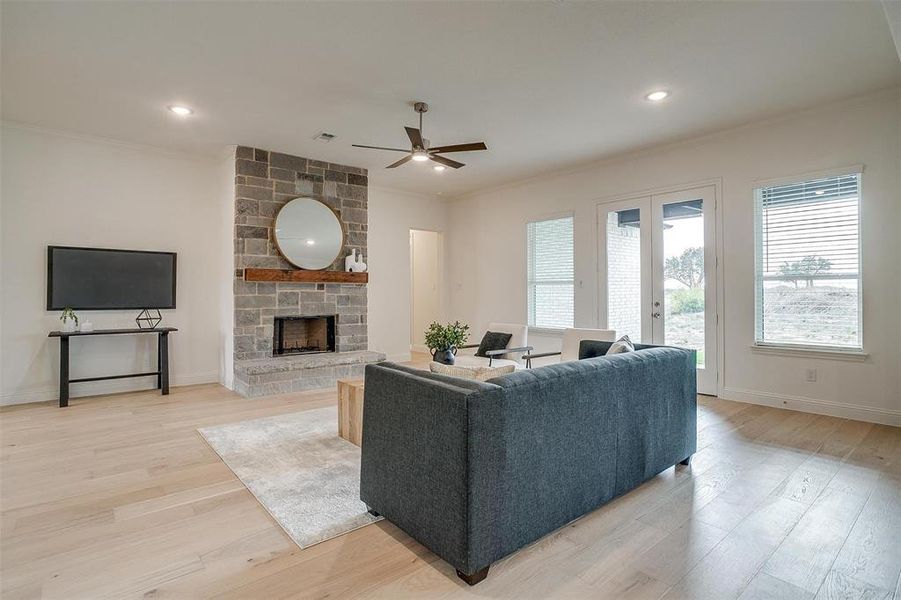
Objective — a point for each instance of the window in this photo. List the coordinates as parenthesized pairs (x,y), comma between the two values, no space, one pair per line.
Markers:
(551,273)
(808,264)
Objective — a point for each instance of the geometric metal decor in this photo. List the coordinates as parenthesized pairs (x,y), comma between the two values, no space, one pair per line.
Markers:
(148,318)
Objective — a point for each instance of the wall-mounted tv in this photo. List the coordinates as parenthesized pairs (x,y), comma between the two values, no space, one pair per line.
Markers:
(105,279)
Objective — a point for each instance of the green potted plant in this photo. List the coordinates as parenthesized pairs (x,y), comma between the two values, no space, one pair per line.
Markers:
(69,319)
(443,340)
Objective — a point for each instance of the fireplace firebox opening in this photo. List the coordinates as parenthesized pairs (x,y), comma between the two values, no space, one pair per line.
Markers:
(303,335)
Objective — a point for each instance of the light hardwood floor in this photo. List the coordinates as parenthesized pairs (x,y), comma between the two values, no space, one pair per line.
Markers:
(119,497)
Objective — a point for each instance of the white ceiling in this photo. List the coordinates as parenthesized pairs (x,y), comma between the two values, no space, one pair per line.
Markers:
(545,85)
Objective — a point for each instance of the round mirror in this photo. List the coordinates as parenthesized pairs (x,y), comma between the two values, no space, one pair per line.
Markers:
(308,234)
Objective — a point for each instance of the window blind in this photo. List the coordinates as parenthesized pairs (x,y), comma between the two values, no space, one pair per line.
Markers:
(808,263)
(550,273)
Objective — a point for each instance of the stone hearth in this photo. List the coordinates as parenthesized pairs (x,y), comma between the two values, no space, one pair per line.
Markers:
(265,181)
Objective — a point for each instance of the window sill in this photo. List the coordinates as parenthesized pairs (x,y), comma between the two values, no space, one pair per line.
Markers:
(802,352)
(550,331)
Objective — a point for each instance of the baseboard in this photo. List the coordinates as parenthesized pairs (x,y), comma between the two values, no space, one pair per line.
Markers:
(96,388)
(816,406)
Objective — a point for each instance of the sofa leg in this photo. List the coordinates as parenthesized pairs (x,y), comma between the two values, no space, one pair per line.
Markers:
(372,512)
(474,578)
(687,461)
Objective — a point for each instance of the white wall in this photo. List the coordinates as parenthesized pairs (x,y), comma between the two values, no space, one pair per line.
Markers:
(226,267)
(72,190)
(391,216)
(67,189)
(487,282)
(426,280)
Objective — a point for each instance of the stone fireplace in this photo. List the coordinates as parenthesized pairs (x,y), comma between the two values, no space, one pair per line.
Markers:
(303,335)
(264,182)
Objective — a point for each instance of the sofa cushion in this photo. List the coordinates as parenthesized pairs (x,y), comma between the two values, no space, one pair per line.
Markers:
(620,346)
(465,360)
(477,373)
(595,348)
(493,340)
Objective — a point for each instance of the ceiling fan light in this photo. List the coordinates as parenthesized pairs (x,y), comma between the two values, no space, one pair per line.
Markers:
(420,155)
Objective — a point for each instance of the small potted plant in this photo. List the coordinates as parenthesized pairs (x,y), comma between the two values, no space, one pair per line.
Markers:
(69,320)
(443,340)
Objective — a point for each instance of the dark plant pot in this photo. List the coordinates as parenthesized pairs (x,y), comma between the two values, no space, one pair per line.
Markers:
(445,357)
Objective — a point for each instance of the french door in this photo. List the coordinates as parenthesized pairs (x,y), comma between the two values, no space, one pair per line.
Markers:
(658,273)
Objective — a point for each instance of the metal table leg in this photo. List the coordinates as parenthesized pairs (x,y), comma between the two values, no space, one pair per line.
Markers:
(63,371)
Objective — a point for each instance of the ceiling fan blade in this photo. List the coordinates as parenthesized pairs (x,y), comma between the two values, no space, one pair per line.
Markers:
(446,161)
(380,148)
(407,158)
(415,137)
(460,147)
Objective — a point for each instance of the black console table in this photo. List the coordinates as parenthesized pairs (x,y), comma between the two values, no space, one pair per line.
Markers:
(162,356)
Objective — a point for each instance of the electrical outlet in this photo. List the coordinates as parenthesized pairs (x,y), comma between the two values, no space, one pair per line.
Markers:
(811,375)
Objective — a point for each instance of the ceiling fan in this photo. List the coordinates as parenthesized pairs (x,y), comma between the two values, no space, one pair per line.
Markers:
(421,151)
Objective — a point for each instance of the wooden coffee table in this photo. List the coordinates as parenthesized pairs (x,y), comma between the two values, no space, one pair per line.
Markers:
(350,410)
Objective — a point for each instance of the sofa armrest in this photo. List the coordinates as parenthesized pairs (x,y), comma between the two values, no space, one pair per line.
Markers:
(414,459)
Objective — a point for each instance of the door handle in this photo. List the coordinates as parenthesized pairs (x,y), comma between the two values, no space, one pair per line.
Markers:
(656,315)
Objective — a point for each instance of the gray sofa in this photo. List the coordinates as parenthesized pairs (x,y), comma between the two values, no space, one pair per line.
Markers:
(475,471)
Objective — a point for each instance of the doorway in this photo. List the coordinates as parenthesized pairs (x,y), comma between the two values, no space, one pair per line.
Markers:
(425,284)
(658,279)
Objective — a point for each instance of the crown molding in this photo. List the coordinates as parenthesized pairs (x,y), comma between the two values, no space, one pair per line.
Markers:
(84,137)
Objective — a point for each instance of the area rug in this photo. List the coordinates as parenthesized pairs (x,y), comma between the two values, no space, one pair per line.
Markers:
(298,468)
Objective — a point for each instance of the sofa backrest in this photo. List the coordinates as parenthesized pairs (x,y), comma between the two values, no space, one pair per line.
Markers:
(477,470)
(566,437)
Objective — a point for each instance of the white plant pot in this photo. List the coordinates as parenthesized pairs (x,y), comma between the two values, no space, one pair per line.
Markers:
(69,326)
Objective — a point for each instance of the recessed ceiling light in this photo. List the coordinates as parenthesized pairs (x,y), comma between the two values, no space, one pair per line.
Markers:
(311,242)
(657,96)
(439,167)
(181,111)
(420,155)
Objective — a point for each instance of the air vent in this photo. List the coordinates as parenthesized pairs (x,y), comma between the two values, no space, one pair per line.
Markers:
(324,137)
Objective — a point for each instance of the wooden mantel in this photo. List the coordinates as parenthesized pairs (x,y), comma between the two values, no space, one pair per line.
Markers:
(304,276)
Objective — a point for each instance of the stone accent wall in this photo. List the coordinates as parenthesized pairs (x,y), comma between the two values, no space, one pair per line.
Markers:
(265,181)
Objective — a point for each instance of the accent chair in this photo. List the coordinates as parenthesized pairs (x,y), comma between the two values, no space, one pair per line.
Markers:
(511,355)
(572,337)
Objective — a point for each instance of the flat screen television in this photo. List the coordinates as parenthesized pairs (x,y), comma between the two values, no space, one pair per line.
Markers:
(106,279)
